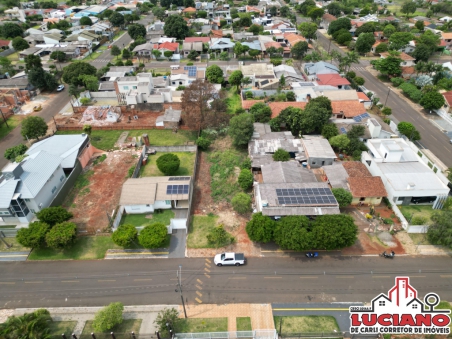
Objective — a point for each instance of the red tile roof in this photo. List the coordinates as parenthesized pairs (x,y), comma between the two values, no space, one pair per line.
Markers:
(277,107)
(356,169)
(328,17)
(446,36)
(408,70)
(350,108)
(197,39)
(216,33)
(171,46)
(246,104)
(448,97)
(332,80)
(272,44)
(362,96)
(4,43)
(367,187)
(189,9)
(402,56)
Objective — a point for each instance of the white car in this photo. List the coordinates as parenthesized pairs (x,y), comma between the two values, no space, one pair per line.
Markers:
(226,259)
(60,88)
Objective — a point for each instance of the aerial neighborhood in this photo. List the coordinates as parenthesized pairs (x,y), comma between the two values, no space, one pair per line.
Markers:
(224,129)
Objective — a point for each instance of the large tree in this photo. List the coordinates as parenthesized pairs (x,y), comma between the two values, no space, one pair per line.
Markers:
(136,30)
(364,43)
(261,112)
(390,65)
(54,215)
(72,72)
(235,79)
(214,74)
(299,50)
(19,44)
(10,30)
(42,79)
(241,129)
(440,232)
(260,228)
(341,23)
(33,325)
(343,197)
(334,8)
(408,8)
(408,130)
(399,40)
(116,19)
(332,232)
(60,56)
(108,317)
(62,235)
(176,27)
(432,100)
(308,30)
(32,61)
(153,236)
(33,236)
(198,114)
(292,233)
(86,21)
(33,127)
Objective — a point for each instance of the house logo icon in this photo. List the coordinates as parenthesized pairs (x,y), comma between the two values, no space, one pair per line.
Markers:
(401,312)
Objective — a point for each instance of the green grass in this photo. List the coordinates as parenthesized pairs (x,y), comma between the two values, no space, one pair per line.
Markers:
(417,211)
(86,248)
(59,327)
(187,163)
(140,219)
(244,324)
(13,57)
(199,228)
(127,326)
(419,238)
(13,121)
(307,324)
(233,100)
(445,305)
(80,187)
(224,172)
(194,325)
(16,247)
(105,140)
(93,56)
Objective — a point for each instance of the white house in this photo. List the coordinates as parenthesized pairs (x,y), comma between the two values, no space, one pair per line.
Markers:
(406,178)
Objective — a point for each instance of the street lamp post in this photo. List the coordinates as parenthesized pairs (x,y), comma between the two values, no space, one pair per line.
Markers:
(389,91)
(179,289)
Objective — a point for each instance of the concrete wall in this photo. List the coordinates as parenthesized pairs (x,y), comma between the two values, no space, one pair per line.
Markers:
(68,184)
(417,229)
(107,94)
(154,107)
(161,204)
(178,224)
(317,162)
(86,155)
(138,209)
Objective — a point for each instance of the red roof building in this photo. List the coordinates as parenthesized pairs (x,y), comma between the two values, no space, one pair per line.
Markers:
(332,80)
(202,39)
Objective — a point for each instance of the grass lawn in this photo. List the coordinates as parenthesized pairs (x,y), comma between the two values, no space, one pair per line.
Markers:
(93,56)
(16,247)
(140,219)
(59,327)
(12,121)
(127,326)
(187,163)
(233,100)
(412,211)
(85,248)
(13,57)
(445,305)
(244,324)
(419,238)
(307,324)
(105,140)
(194,325)
(199,228)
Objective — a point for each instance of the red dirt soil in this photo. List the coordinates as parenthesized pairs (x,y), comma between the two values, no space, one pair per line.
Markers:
(90,209)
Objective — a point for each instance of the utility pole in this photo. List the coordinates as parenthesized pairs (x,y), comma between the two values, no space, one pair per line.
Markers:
(179,283)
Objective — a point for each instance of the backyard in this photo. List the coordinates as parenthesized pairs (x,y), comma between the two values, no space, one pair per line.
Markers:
(144,219)
(187,163)
(233,100)
(306,324)
(417,215)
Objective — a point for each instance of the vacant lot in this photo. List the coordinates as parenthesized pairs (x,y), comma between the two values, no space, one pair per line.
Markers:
(233,100)
(97,192)
(200,226)
(307,324)
(187,163)
(195,325)
(144,219)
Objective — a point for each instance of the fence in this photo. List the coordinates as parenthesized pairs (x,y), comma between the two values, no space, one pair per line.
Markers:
(257,334)
(116,128)
(185,148)
(192,187)
(118,217)
(136,172)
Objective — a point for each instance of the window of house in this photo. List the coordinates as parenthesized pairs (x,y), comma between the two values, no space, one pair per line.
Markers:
(414,306)
(32,211)
(313,162)
(53,189)
(134,87)
(168,202)
(362,199)
(147,205)
(62,178)
(125,87)
(378,197)
(381,303)
(400,198)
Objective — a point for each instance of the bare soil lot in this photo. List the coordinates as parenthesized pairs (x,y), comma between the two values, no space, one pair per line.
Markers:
(98,191)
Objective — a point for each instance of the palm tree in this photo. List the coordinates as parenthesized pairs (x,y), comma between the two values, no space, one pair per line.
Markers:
(349,59)
(28,326)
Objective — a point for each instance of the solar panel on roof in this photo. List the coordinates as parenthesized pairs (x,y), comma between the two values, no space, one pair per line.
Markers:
(177,189)
(343,130)
(305,196)
(191,70)
(357,119)
(365,115)
(178,178)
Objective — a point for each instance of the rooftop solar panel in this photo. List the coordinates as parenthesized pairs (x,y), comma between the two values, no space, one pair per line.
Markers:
(177,189)
(343,130)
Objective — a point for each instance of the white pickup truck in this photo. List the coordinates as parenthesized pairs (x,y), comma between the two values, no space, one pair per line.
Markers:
(224,259)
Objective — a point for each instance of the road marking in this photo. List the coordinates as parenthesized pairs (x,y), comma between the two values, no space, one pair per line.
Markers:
(310,309)
(238,278)
(380,276)
(199,281)
(207,265)
(7,283)
(448,150)
(422,127)
(206,269)
(142,279)
(105,280)
(434,138)
(198,287)
(70,281)
(308,277)
(446,276)
(345,277)
(199,293)
(208,276)
(198,300)
(272,277)
(208,260)
(33,282)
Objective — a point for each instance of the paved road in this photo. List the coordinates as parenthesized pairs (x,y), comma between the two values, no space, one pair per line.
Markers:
(153,281)
(432,138)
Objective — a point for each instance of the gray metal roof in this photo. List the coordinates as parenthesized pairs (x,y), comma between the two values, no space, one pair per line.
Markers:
(317,147)
(64,146)
(257,160)
(7,190)
(287,172)
(337,175)
(38,168)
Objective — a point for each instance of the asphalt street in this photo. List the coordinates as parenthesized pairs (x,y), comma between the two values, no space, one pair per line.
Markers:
(431,137)
(269,280)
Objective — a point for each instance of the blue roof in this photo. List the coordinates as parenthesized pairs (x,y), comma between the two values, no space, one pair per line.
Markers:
(256,45)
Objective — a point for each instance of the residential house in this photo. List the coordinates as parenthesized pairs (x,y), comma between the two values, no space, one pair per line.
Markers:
(15,13)
(221,45)
(447,37)
(5,44)
(91,11)
(445,19)
(186,75)
(189,10)
(262,75)
(144,50)
(142,88)
(318,151)
(167,46)
(356,178)
(20,84)
(187,47)
(448,101)
(277,107)
(326,20)
(334,80)
(407,60)
(277,45)
(290,74)
(247,104)
(347,109)
(147,194)
(321,67)
(253,45)
(405,176)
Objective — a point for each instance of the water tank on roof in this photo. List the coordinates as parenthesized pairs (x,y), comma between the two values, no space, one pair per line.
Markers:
(164,77)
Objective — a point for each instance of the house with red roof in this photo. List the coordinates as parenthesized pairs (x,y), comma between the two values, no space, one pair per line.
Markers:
(347,109)
(5,44)
(448,97)
(407,60)
(189,10)
(333,80)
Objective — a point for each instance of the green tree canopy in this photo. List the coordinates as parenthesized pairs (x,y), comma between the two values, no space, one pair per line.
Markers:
(343,197)
(261,112)
(440,232)
(13,152)
(214,74)
(260,228)
(153,235)
(136,30)
(167,318)
(299,50)
(86,21)
(329,130)
(281,155)
(235,79)
(72,72)
(340,142)
(399,40)
(54,215)
(33,127)
(19,44)
(108,317)
(334,8)
(168,163)
(408,8)
(241,129)
(116,19)
(176,26)
(32,61)
(33,325)
(10,30)
(339,24)
(62,235)
(332,232)
(364,43)
(241,203)
(125,235)
(432,100)
(90,82)
(408,130)
(308,30)
(58,55)
(390,65)
(33,236)
(291,233)
(245,179)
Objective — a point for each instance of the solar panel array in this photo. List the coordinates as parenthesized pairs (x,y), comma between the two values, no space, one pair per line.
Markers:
(179,178)
(305,196)
(191,70)
(177,189)
(359,118)
(343,130)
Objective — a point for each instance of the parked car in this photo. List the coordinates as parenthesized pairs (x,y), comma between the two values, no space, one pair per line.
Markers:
(60,88)
(229,259)
(422,200)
